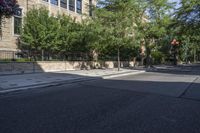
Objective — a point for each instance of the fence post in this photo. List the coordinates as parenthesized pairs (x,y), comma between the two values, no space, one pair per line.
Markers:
(65,64)
(12,65)
(33,66)
(13,55)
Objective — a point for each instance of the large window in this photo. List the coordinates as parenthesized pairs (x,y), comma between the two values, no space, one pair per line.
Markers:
(79,6)
(72,5)
(17,21)
(63,3)
(90,7)
(55,2)
(46,0)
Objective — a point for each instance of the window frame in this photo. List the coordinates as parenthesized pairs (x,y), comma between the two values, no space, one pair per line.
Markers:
(18,17)
(62,3)
(72,7)
(79,10)
(90,8)
(54,2)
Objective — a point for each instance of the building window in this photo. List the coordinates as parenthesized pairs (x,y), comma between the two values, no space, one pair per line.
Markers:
(17,21)
(46,0)
(63,3)
(90,7)
(71,5)
(55,2)
(79,6)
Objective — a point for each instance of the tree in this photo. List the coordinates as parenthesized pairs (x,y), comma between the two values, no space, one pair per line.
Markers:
(116,19)
(68,34)
(53,34)
(7,9)
(187,24)
(155,28)
(40,32)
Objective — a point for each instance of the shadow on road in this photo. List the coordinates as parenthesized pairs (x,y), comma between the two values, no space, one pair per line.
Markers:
(123,105)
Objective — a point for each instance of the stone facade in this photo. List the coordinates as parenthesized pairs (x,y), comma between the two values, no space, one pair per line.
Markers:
(8,40)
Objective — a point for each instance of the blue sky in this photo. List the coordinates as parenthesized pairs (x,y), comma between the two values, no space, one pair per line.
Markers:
(177,1)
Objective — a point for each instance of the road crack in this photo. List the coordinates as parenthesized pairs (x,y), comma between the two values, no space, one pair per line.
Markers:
(188,87)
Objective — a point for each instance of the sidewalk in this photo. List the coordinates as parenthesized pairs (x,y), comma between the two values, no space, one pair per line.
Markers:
(26,81)
(181,68)
(169,68)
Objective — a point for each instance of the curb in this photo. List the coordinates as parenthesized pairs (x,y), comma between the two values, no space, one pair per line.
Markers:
(46,85)
(122,74)
(14,89)
(172,70)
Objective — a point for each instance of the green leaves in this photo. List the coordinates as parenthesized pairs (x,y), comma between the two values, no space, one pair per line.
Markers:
(61,34)
(187,28)
(116,24)
(117,21)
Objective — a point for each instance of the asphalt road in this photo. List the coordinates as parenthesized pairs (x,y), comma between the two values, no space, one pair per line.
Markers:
(146,103)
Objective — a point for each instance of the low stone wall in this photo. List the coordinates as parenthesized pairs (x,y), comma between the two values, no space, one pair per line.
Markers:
(49,66)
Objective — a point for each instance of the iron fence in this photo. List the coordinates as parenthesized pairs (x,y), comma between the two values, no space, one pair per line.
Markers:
(59,56)
(43,56)
(8,55)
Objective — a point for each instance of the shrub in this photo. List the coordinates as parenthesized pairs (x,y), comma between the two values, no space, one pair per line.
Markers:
(158,57)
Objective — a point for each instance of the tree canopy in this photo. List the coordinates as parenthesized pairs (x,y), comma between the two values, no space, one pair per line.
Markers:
(117,29)
(187,26)
(7,7)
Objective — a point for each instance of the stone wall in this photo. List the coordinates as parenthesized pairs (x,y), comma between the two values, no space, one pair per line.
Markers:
(49,66)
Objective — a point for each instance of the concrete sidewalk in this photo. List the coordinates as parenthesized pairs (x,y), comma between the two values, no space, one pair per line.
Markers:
(26,81)
(169,68)
(181,68)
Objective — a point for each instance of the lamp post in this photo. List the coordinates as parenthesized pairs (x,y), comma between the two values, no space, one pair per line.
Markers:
(175,44)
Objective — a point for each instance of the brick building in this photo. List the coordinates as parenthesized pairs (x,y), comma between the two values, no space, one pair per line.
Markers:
(11,26)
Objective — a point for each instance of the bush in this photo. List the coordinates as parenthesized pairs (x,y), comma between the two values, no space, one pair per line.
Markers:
(157,57)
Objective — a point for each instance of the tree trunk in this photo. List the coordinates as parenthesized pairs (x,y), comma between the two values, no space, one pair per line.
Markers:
(175,58)
(194,55)
(42,55)
(118,59)
(148,57)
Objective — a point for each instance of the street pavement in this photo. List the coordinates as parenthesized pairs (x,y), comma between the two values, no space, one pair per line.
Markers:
(156,83)
(150,102)
(26,81)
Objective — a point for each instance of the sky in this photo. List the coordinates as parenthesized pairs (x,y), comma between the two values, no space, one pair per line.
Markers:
(177,1)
